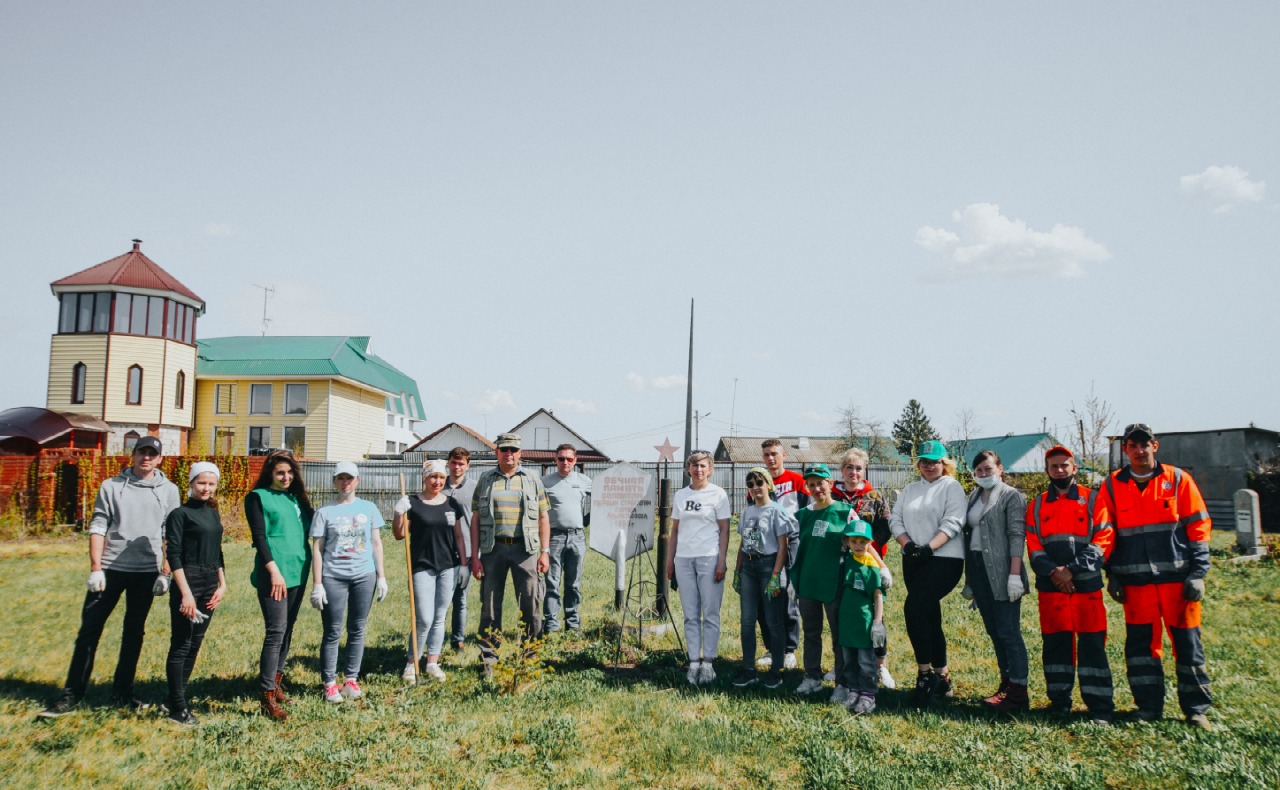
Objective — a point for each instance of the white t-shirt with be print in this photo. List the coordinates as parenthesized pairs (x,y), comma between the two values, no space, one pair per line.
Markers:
(699,513)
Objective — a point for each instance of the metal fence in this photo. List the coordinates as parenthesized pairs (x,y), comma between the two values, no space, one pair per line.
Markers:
(380,479)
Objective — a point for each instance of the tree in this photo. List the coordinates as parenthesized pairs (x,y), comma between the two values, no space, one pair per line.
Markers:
(1091,424)
(964,429)
(866,434)
(912,428)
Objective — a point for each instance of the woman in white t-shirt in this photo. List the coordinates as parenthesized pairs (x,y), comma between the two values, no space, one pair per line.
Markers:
(696,560)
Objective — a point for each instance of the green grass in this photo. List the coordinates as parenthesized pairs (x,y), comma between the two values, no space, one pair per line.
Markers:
(585,725)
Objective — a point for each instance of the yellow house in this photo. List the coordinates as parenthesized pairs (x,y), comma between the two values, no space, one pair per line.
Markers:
(326,398)
(125,350)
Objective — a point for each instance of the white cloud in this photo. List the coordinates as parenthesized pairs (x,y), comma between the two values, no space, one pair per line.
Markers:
(635,381)
(577,406)
(1227,186)
(667,382)
(494,400)
(219,229)
(987,242)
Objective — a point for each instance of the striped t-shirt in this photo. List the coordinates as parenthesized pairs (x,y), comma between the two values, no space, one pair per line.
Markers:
(508,503)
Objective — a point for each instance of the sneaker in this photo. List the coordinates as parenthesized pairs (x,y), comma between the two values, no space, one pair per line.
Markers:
(745,678)
(1147,714)
(830,677)
(840,694)
(458,645)
(410,675)
(332,693)
(435,671)
(351,689)
(706,673)
(773,680)
(183,717)
(886,679)
(765,661)
(808,686)
(942,686)
(866,703)
(695,668)
(1060,709)
(924,689)
(1199,721)
(61,706)
(789,661)
(1100,719)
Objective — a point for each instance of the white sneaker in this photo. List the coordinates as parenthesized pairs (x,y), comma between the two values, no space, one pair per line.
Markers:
(332,693)
(886,679)
(765,661)
(435,671)
(707,674)
(840,694)
(695,669)
(409,676)
(829,677)
(808,686)
(789,661)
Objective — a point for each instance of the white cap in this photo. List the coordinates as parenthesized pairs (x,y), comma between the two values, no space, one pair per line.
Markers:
(436,467)
(200,467)
(345,468)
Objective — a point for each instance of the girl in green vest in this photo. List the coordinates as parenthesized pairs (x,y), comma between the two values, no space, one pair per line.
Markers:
(278,512)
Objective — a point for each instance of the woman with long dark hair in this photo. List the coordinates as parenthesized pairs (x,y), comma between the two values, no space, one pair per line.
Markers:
(278,512)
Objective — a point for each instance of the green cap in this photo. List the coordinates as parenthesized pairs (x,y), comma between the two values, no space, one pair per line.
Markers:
(932,450)
(818,470)
(857,529)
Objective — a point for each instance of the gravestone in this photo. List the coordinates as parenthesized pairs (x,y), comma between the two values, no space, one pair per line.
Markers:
(1248,522)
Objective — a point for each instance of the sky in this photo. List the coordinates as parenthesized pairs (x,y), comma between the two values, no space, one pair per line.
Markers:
(992,208)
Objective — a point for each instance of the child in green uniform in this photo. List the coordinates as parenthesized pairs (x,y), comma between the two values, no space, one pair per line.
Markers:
(861,619)
(816,576)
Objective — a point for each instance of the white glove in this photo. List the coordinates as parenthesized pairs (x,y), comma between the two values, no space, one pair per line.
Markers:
(199,617)
(97,581)
(161,586)
(402,505)
(380,589)
(318,598)
(967,593)
(886,579)
(1016,588)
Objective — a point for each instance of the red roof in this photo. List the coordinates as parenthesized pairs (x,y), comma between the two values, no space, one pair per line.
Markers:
(131,270)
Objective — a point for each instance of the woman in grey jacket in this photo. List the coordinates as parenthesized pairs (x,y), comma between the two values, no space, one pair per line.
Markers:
(994,537)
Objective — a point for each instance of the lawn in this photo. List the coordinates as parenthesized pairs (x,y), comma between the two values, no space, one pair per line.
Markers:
(586,725)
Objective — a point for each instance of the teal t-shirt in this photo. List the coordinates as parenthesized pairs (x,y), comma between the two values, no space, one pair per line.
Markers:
(858,603)
(816,573)
(347,530)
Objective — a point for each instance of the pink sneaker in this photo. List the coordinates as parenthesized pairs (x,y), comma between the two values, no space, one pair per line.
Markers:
(351,690)
(331,693)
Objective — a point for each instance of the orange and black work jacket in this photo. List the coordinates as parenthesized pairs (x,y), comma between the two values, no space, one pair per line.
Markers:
(1161,529)
(1061,533)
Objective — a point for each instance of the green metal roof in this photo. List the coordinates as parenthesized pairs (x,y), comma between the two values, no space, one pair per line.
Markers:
(319,356)
(1011,449)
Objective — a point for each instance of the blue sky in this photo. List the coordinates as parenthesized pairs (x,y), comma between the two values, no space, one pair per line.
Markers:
(984,206)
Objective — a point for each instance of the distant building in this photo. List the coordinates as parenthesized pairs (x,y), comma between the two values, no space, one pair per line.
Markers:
(1019,453)
(325,398)
(439,442)
(124,351)
(542,432)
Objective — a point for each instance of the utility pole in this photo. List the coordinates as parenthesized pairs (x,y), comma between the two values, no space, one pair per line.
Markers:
(733,410)
(697,429)
(267,290)
(688,400)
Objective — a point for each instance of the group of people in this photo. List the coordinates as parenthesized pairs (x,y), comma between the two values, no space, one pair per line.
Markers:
(814,547)
(810,555)
(144,542)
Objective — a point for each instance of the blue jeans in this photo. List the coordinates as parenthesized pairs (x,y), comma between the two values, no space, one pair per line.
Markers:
(350,597)
(568,549)
(458,625)
(756,603)
(1003,621)
(700,598)
(432,592)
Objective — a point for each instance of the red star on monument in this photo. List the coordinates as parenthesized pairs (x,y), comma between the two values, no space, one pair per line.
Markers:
(665,451)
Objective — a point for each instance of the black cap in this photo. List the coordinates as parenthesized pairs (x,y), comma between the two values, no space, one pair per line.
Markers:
(1136,428)
(149,442)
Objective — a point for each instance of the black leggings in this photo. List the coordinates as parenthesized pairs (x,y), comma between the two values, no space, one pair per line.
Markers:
(928,582)
(278,617)
(185,636)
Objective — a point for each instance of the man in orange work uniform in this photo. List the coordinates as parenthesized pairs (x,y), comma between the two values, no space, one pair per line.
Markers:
(1067,552)
(1157,569)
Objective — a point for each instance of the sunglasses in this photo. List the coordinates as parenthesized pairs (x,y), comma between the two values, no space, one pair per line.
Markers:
(562,459)
(508,449)
(755,484)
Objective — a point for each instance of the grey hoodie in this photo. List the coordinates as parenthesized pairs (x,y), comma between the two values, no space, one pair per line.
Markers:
(130,512)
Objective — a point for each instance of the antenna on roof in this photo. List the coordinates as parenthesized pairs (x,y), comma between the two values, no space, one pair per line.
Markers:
(267,290)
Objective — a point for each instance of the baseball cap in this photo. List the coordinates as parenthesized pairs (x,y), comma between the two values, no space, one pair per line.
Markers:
(818,470)
(149,442)
(857,529)
(345,468)
(932,450)
(1058,449)
(1137,428)
(508,440)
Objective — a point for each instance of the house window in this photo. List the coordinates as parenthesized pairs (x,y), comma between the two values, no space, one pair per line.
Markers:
(224,439)
(67,319)
(295,399)
(77,382)
(155,316)
(138,316)
(391,420)
(391,447)
(259,398)
(295,440)
(225,399)
(259,438)
(180,390)
(85,313)
(134,395)
(189,336)
(121,321)
(130,439)
(102,312)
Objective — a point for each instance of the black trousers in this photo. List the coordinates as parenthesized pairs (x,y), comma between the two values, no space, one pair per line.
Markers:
(278,617)
(927,584)
(185,636)
(136,588)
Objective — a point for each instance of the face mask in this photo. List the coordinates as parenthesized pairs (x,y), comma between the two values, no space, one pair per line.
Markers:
(987,482)
(1064,484)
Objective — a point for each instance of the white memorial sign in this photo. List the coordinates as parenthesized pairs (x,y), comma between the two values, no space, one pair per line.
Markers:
(623,499)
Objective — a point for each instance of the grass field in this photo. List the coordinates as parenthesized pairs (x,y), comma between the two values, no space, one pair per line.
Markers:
(586,725)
